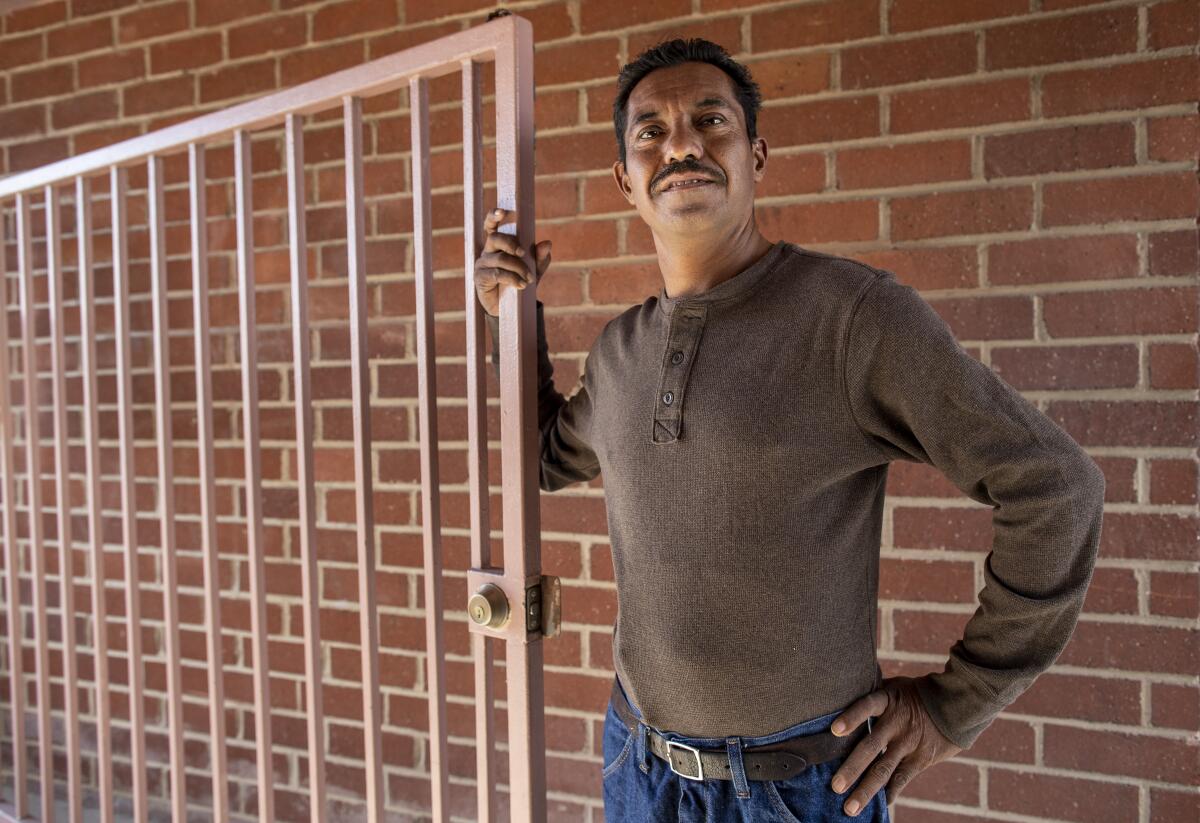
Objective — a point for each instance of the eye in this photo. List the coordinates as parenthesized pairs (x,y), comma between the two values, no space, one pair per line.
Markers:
(643,131)
(716,117)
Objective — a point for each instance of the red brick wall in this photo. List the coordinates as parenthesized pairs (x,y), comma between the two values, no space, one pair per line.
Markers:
(1029,165)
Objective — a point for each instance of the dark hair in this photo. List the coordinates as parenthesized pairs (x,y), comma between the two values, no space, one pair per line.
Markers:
(672,53)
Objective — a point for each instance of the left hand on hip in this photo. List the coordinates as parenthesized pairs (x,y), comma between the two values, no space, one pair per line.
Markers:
(904,735)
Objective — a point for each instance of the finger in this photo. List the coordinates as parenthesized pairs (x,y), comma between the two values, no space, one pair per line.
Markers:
(542,250)
(493,277)
(869,705)
(876,778)
(503,260)
(501,241)
(867,750)
(905,772)
(498,217)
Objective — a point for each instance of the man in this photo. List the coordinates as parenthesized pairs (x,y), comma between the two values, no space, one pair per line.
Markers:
(744,419)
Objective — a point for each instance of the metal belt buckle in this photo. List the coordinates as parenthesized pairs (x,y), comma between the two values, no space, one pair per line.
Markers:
(693,750)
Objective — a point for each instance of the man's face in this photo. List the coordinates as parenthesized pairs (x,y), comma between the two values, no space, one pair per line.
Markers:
(684,123)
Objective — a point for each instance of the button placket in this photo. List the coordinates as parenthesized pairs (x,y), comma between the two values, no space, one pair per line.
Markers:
(683,338)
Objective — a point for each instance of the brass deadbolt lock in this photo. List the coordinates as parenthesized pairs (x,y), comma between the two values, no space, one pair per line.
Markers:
(488,606)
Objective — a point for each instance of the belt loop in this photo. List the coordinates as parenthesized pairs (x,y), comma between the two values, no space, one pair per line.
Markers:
(733,746)
(642,731)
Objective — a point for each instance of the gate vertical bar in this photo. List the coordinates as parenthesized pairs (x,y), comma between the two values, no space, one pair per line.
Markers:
(166,474)
(91,428)
(208,516)
(518,419)
(133,607)
(309,574)
(254,529)
(431,533)
(363,487)
(482,653)
(12,559)
(33,465)
(62,484)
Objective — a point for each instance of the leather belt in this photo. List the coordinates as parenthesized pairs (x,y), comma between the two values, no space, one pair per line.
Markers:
(776,761)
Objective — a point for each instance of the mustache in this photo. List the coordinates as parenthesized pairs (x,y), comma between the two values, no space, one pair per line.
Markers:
(685,166)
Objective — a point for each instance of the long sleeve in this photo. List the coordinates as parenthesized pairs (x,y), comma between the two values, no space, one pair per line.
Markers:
(917,395)
(566,456)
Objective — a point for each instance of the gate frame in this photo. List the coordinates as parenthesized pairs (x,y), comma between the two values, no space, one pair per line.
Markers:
(508,41)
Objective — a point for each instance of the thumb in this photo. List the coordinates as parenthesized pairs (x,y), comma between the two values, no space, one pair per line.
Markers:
(542,250)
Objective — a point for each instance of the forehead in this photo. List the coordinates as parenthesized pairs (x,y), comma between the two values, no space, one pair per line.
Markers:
(682,85)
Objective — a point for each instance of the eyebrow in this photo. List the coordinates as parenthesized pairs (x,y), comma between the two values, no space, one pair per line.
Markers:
(701,104)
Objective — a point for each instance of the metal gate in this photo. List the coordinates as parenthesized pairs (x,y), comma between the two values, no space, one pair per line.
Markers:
(53,705)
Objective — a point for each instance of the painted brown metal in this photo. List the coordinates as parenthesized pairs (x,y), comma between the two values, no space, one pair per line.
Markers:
(218,757)
(509,42)
(91,425)
(297,251)
(12,561)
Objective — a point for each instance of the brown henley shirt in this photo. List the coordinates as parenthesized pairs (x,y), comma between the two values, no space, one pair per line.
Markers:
(744,435)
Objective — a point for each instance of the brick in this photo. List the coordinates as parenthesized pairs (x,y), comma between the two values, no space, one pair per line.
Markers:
(792,75)
(352,17)
(1061,39)
(974,211)
(792,174)
(903,164)
(928,267)
(913,15)
(21,51)
(937,581)
(1112,591)
(152,21)
(1166,804)
(1174,481)
(76,38)
(576,61)
(410,35)
(1172,138)
(237,81)
(1069,148)
(157,95)
(49,81)
(84,109)
(825,222)
(186,53)
(111,67)
(1103,200)
(595,17)
(1176,594)
(1129,423)
(18,122)
(892,62)
(1172,24)
(1174,252)
(1136,85)
(1064,798)
(1168,760)
(835,21)
(820,121)
(35,16)
(274,33)
(577,151)
(216,12)
(81,8)
(1174,366)
(966,104)
(418,12)
(1068,367)
(1175,706)
(1063,259)
(308,64)
(726,32)
(23,156)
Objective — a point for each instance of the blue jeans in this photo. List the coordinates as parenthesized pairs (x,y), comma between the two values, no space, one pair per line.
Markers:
(639,787)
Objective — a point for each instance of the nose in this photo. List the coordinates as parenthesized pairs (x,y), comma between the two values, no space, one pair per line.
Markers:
(684,141)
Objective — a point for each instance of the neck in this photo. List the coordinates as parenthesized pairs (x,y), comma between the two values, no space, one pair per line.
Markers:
(694,263)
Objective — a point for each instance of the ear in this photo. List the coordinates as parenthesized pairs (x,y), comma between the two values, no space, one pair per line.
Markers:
(623,181)
(760,158)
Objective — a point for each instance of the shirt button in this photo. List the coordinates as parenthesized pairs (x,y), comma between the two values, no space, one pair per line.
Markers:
(677,358)
(667,398)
